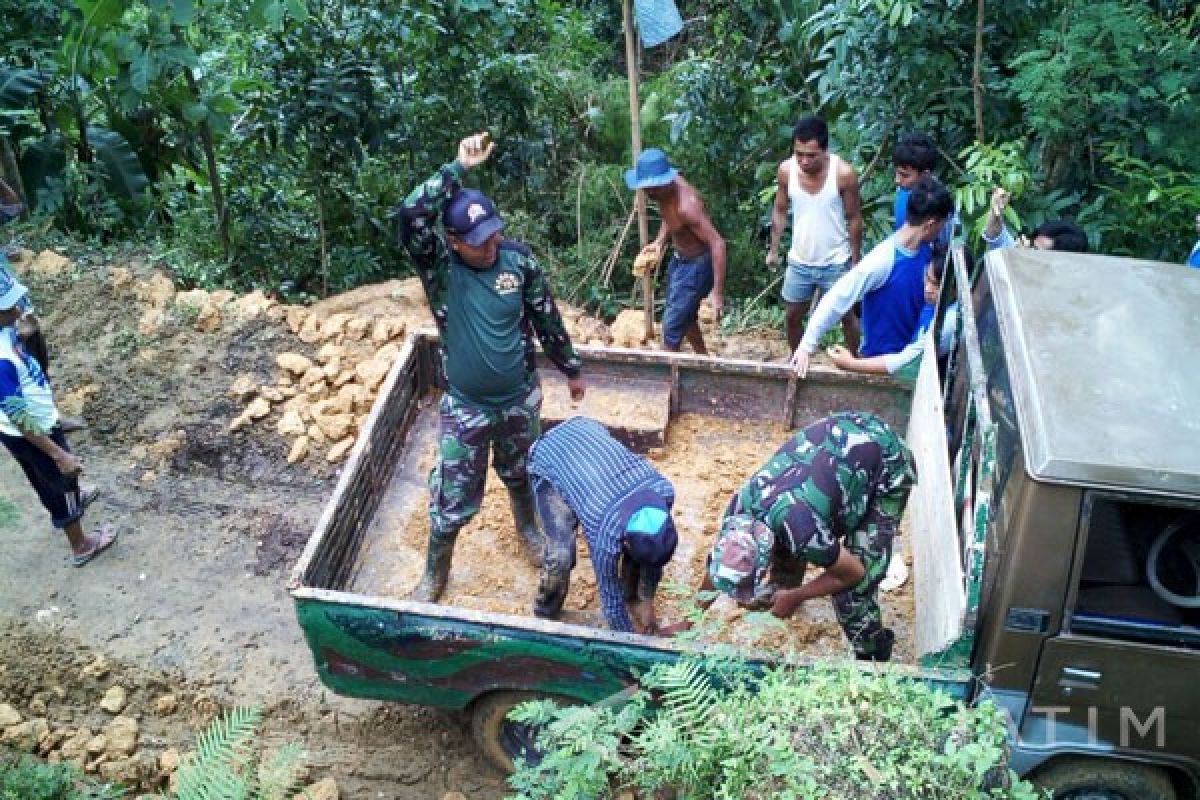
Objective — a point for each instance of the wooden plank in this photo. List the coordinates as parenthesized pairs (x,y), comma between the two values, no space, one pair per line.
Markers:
(359,485)
(940,597)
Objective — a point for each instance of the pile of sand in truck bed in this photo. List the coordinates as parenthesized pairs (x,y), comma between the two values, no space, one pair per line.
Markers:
(706,459)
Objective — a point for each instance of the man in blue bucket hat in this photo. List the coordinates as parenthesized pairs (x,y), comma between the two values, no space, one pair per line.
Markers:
(697,267)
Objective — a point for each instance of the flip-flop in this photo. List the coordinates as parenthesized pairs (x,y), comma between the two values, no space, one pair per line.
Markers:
(107,537)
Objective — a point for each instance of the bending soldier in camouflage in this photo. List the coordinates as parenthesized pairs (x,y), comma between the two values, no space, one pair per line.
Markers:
(832,496)
(488,296)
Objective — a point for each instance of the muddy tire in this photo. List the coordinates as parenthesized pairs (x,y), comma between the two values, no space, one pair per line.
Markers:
(1093,779)
(500,739)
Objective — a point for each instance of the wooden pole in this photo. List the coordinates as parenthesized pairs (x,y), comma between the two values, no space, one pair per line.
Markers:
(635,127)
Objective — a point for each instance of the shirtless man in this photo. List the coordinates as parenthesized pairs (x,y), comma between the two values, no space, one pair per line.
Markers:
(827,224)
(697,267)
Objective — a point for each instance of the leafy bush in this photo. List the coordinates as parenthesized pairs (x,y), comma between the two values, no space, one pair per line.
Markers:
(27,778)
(713,731)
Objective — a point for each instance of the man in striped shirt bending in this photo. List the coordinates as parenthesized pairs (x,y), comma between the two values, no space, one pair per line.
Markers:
(582,476)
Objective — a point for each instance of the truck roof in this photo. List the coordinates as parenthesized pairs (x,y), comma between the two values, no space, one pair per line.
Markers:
(1105,367)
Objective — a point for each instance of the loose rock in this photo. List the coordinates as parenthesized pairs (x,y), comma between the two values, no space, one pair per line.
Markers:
(9,716)
(114,700)
(299,450)
(324,789)
(122,735)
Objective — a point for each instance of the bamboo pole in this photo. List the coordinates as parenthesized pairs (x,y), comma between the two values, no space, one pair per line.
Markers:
(635,127)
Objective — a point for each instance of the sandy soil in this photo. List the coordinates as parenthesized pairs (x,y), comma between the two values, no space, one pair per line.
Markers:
(705,458)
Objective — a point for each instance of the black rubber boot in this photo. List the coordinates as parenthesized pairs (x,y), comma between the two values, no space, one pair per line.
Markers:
(881,647)
(437,570)
(529,527)
(552,592)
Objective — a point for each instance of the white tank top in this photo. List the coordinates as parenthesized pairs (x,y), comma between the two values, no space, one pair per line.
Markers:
(819,235)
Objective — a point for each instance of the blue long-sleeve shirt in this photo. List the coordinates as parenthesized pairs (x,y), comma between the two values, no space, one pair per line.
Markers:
(596,474)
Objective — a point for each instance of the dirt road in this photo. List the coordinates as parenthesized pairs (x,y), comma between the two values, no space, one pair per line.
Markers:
(191,601)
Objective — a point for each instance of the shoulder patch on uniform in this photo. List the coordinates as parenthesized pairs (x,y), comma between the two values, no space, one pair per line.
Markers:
(516,247)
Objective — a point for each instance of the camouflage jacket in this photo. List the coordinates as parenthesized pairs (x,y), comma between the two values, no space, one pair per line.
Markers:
(420,235)
(845,473)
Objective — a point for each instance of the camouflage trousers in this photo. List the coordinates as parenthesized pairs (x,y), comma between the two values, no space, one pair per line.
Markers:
(467,434)
(857,608)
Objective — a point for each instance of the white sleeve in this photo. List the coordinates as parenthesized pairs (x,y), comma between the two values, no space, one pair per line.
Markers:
(867,276)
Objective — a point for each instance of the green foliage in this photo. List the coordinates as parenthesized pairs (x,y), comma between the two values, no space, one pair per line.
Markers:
(227,763)
(319,115)
(712,730)
(26,778)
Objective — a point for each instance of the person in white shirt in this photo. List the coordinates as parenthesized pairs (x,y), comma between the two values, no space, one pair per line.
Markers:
(827,224)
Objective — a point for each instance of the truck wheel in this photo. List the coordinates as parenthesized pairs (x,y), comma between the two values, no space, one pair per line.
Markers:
(501,739)
(1092,779)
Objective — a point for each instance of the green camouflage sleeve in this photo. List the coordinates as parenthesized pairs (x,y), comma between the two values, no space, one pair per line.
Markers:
(542,313)
(418,220)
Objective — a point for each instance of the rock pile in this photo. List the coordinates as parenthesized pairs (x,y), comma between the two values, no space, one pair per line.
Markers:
(320,401)
(119,738)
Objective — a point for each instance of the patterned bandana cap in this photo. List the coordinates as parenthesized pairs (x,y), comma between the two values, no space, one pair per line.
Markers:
(11,290)
(740,556)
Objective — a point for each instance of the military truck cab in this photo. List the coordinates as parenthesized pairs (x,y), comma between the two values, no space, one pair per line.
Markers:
(1088,629)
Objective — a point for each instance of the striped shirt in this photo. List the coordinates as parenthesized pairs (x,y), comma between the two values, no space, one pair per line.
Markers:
(594,473)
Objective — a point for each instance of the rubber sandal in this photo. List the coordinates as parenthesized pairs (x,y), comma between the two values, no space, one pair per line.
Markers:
(107,537)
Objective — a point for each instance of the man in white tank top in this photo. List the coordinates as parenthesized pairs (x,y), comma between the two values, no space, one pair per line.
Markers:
(827,224)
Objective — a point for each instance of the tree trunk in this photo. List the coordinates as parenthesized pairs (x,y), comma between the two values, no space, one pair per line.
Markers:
(977,71)
(11,171)
(324,252)
(214,177)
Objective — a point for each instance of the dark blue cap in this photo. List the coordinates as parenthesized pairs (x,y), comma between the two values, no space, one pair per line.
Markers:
(470,216)
(652,169)
(650,535)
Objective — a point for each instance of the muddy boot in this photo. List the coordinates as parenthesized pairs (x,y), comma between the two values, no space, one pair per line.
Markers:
(529,527)
(552,592)
(879,648)
(437,571)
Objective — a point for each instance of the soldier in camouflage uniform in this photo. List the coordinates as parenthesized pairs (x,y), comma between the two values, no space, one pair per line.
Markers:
(489,297)
(832,496)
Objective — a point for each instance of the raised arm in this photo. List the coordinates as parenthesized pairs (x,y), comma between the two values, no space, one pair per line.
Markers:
(418,214)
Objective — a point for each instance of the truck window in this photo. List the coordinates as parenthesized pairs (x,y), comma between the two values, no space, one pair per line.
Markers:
(1140,575)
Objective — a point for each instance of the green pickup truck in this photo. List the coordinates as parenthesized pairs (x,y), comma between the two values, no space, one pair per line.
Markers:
(1054,532)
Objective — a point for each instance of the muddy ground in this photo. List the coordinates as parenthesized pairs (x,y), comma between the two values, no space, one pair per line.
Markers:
(191,601)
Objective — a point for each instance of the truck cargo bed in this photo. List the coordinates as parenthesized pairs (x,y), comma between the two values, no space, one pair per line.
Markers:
(723,419)
(705,458)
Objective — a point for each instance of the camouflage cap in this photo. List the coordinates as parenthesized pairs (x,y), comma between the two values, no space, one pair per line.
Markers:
(740,556)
